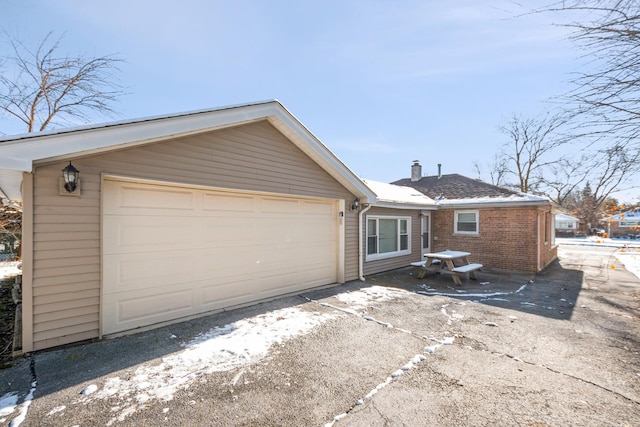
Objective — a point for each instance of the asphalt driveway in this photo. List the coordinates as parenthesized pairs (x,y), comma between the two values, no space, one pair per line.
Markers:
(560,348)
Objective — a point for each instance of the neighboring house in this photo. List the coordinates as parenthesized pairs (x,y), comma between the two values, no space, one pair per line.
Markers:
(503,229)
(566,225)
(623,224)
(176,216)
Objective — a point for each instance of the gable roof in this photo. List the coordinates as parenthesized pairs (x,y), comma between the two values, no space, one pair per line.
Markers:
(564,217)
(21,153)
(630,215)
(457,190)
(396,196)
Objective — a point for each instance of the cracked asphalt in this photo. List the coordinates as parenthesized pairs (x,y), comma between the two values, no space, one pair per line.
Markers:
(558,348)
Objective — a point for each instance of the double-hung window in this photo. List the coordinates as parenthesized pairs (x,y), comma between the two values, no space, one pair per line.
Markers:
(388,237)
(466,222)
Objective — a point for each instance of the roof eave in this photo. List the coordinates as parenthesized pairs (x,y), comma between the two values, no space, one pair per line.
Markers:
(494,204)
(400,205)
(29,150)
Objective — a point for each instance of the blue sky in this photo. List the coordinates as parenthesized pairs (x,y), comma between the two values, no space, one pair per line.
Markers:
(381,83)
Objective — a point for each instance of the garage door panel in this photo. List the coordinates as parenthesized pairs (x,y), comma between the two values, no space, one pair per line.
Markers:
(225,248)
(144,272)
(137,309)
(221,294)
(145,233)
(279,206)
(147,199)
(222,204)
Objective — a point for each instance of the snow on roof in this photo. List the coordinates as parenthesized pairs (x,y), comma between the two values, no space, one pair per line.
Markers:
(563,217)
(390,193)
(515,198)
(628,215)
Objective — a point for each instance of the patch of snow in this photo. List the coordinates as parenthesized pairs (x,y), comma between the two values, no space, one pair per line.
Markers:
(219,349)
(363,297)
(24,407)
(10,269)
(90,389)
(56,410)
(631,261)
(8,404)
(398,194)
(487,295)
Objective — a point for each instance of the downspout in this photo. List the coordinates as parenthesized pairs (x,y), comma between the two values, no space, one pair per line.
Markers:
(360,246)
(538,243)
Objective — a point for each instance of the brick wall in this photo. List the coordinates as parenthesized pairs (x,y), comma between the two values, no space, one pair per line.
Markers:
(508,238)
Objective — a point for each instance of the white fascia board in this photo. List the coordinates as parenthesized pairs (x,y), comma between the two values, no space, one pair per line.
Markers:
(293,129)
(25,151)
(395,205)
(94,141)
(485,205)
(11,184)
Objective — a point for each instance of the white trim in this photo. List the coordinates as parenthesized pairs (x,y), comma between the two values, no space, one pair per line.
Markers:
(424,215)
(399,252)
(23,152)
(466,233)
(361,247)
(27,264)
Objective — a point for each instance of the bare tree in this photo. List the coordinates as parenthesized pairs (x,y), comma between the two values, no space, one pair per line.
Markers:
(607,92)
(531,146)
(42,89)
(564,177)
(497,169)
(614,164)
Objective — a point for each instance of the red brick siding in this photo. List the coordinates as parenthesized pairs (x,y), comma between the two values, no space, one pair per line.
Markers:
(508,238)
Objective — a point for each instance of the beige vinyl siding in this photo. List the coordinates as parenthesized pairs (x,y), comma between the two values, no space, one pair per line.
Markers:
(378,266)
(67,269)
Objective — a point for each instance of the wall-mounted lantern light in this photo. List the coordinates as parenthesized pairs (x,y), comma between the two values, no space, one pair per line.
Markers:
(355,204)
(70,175)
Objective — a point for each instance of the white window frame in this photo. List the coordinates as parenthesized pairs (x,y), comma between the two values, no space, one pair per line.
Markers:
(397,253)
(466,233)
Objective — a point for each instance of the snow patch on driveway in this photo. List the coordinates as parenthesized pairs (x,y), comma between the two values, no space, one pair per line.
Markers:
(219,349)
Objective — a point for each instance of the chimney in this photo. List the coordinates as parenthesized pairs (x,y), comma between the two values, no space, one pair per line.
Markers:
(439,170)
(416,171)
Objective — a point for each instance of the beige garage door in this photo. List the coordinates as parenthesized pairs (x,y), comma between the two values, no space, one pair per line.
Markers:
(170,252)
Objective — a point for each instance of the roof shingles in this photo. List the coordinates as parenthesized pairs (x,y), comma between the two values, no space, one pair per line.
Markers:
(455,186)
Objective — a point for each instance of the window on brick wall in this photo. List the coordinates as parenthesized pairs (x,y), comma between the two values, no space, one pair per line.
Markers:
(547,227)
(466,222)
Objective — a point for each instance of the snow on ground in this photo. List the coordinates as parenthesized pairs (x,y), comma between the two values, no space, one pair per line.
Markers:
(246,341)
(628,252)
(9,269)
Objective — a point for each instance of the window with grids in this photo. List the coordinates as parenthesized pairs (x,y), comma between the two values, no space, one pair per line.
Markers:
(466,222)
(388,237)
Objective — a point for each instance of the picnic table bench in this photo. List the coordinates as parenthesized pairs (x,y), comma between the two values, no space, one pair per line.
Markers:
(445,262)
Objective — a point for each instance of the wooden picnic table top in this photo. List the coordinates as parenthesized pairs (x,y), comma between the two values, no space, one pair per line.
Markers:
(447,254)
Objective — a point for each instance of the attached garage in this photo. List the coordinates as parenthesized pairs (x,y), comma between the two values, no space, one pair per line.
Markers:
(176,216)
(171,251)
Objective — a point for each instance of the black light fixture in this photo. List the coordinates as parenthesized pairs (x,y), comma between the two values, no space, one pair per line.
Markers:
(355,204)
(70,175)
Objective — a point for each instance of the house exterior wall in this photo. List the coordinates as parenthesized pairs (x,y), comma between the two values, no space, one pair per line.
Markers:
(548,250)
(66,229)
(378,266)
(613,228)
(507,239)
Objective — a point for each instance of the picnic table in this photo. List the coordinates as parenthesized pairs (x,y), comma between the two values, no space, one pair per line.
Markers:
(449,262)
